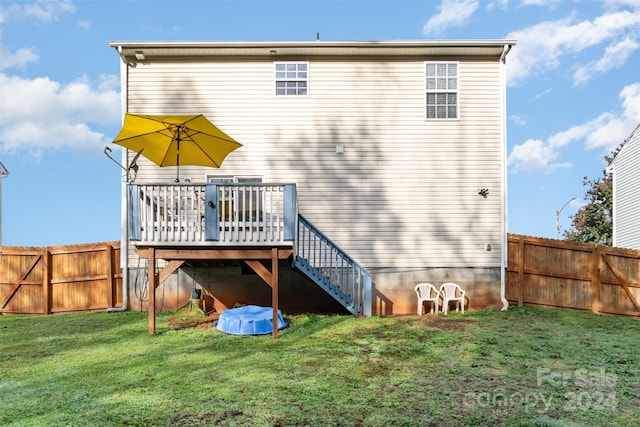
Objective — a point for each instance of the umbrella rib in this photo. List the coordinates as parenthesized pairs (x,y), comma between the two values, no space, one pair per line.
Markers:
(233,141)
(138,135)
(166,153)
(197,132)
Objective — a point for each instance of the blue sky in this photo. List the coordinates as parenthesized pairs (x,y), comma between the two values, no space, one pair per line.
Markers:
(573,92)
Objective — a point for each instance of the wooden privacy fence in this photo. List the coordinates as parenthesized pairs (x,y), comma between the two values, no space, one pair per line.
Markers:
(573,275)
(38,280)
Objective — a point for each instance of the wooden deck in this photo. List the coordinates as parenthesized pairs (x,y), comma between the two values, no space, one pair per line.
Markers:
(257,223)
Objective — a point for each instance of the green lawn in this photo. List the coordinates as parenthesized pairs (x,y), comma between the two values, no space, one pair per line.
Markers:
(526,367)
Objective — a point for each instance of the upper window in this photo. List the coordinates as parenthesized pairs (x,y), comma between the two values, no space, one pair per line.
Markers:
(230,179)
(292,78)
(441,86)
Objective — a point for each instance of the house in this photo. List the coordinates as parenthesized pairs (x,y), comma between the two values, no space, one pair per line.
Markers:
(396,150)
(626,192)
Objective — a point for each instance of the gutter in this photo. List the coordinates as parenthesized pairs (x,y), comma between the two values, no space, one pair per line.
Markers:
(505,50)
(136,51)
(504,227)
(124,61)
(124,241)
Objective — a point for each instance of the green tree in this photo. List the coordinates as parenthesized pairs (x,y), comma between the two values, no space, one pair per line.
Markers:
(594,221)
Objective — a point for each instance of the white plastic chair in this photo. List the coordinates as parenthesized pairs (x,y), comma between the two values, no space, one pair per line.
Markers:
(427,292)
(451,292)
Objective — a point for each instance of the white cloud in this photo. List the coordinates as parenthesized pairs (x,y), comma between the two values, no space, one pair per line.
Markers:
(44,114)
(542,94)
(580,132)
(612,130)
(41,10)
(498,4)
(614,57)
(85,25)
(542,46)
(19,59)
(452,13)
(605,132)
(612,4)
(539,2)
(631,101)
(518,119)
(533,156)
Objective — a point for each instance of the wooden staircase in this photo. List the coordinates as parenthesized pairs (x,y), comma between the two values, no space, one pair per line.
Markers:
(332,269)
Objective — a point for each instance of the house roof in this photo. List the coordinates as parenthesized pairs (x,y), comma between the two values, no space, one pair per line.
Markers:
(3,171)
(140,51)
(634,133)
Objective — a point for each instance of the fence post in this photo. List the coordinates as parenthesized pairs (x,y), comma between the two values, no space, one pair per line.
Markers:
(521,261)
(46,281)
(109,264)
(595,280)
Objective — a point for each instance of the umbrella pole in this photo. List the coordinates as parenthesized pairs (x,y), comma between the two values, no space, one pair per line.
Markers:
(178,156)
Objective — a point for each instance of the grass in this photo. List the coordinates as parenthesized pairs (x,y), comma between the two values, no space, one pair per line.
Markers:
(524,367)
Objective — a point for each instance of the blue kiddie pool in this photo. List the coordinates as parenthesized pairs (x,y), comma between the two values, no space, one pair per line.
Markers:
(249,320)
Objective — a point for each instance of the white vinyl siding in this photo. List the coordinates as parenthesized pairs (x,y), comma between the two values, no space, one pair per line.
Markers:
(405,192)
(626,194)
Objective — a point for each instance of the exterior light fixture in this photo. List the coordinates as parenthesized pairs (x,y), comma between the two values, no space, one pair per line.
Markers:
(139,55)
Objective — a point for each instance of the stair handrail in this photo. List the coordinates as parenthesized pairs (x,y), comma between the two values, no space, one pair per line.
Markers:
(346,280)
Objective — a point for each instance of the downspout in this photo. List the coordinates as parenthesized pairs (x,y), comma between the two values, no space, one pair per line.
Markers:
(504,228)
(612,171)
(124,241)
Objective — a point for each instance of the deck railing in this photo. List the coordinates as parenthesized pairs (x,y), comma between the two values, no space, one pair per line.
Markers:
(206,214)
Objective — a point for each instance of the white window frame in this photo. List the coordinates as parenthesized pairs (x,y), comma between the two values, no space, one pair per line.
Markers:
(443,87)
(233,179)
(288,76)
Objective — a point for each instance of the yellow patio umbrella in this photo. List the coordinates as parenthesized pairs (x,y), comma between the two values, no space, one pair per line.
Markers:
(176,140)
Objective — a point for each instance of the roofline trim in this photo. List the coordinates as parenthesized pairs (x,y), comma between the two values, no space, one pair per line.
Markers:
(311,44)
(133,52)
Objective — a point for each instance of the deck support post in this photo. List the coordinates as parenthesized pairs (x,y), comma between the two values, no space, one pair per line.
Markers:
(272,279)
(153,284)
(274,290)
